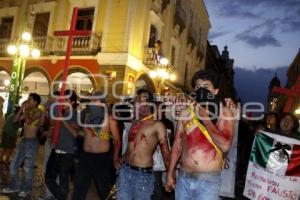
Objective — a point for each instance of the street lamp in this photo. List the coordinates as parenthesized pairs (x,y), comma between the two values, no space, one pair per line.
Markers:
(164,71)
(21,50)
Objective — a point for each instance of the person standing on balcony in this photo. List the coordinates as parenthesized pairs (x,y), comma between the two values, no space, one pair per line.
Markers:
(27,148)
(157,52)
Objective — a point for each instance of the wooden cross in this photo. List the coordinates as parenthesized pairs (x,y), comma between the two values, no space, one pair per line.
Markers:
(70,34)
(292,94)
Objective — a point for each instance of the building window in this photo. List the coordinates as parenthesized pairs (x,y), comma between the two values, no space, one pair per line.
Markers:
(173,55)
(85,19)
(6,27)
(152,36)
(41,23)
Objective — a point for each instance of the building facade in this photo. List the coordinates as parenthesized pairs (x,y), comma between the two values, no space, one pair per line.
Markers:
(120,48)
(277,104)
(222,64)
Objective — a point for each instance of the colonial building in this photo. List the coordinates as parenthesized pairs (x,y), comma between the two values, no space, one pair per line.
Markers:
(223,66)
(292,76)
(121,46)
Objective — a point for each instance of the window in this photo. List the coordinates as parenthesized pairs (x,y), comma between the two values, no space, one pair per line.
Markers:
(152,36)
(173,55)
(6,27)
(41,23)
(85,19)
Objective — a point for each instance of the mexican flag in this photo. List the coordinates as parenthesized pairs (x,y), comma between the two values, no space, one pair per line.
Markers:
(274,168)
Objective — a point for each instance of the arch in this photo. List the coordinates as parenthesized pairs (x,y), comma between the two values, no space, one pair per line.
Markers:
(39,69)
(80,69)
(148,83)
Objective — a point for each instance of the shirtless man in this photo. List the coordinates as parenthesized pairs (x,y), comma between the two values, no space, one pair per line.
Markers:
(136,180)
(27,148)
(95,160)
(201,163)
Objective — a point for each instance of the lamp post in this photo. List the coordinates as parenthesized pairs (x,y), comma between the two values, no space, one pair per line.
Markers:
(21,50)
(163,71)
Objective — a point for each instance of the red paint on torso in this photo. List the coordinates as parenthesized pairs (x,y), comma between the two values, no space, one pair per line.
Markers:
(197,141)
(133,131)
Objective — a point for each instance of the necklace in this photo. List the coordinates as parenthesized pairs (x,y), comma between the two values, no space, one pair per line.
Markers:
(144,119)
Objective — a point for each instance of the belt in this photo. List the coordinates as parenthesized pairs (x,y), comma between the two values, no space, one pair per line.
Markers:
(140,169)
(200,175)
(60,151)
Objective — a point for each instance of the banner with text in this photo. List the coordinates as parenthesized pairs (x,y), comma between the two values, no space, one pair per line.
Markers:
(274,168)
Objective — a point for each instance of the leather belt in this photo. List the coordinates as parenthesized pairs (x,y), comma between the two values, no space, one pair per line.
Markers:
(148,170)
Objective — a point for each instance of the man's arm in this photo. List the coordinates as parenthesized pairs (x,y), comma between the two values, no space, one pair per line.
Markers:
(222,132)
(113,126)
(175,155)
(163,142)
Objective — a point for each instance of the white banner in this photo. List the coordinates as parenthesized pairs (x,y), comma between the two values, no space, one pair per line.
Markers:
(262,184)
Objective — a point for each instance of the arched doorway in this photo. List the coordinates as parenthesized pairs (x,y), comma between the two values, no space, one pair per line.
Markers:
(4,88)
(35,81)
(79,80)
(144,81)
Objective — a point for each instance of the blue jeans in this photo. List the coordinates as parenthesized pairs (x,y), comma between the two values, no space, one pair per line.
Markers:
(26,151)
(203,186)
(134,185)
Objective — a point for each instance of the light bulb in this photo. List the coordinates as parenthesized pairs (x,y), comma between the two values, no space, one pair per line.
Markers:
(35,53)
(12,49)
(26,36)
(152,74)
(164,61)
(24,50)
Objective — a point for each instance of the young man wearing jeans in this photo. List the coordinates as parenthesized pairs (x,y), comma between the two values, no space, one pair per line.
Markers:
(204,132)
(27,149)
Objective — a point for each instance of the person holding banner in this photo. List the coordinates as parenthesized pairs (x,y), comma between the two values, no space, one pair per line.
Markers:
(136,179)
(204,133)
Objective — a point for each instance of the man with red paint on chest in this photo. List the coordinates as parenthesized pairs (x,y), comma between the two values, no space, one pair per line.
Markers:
(136,179)
(203,134)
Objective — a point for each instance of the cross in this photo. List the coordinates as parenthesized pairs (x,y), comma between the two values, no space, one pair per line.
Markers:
(70,34)
(292,94)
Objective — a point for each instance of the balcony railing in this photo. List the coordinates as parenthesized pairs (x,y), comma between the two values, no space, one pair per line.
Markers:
(82,45)
(43,43)
(149,56)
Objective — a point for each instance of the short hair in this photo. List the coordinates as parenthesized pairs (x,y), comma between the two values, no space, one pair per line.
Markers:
(158,42)
(150,95)
(207,75)
(295,120)
(36,98)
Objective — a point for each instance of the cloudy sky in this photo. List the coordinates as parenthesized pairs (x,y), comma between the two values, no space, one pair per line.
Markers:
(259,33)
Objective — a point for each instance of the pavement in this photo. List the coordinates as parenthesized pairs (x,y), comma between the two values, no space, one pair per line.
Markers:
(38,187)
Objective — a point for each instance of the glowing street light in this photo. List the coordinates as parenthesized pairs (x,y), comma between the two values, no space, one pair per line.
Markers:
(26,36)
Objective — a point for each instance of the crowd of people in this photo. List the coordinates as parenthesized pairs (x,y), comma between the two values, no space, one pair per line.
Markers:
(145,157)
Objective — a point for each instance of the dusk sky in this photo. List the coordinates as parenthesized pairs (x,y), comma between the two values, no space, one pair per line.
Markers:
(258,33)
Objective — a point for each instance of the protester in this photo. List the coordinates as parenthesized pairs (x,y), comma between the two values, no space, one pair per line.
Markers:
(27,149)
(136,180)
(289,124)
(203,134)
(271,121)
(9,137)
(61,160)
(95,160)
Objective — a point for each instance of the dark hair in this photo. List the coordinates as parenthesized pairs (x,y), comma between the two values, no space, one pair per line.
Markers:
(36,98)
(158,42)
(148,93)
(272,114)
(295,120)
(207,75)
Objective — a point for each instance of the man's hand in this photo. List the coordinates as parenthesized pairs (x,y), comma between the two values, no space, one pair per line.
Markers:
(117,163)
(171,182)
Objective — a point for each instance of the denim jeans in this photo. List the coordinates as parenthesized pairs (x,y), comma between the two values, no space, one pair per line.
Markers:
(26,151)
(203,186)
(134,185)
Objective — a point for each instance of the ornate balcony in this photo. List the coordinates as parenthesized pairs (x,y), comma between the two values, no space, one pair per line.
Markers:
(149,56)
(43,43)
(82,45)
